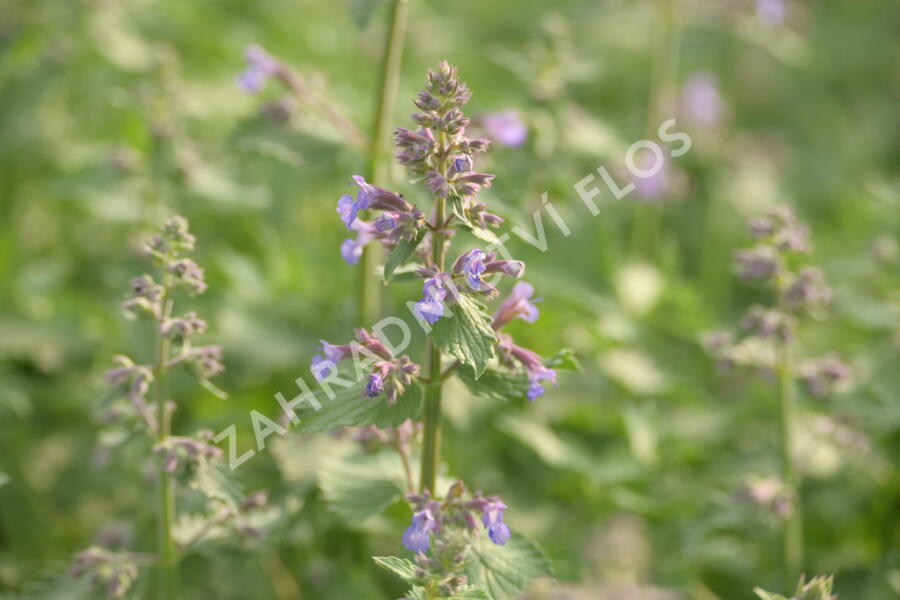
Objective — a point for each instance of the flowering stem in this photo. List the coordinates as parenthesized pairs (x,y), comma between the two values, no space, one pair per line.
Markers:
(368,305)
(432,435)
(165,545)
(793,524)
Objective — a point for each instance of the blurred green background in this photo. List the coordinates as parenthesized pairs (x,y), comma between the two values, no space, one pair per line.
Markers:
(116,113)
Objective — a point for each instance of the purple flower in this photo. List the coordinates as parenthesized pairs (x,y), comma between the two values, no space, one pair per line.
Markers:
(758,263)
(655,184)
(701,99)
(323,366)
(462,164)
(505,128)
(534,367)
(771,12)
(431,306)
(260,66)
(492,517)
(351,250)
(416,537)
(375,385)
(471,264)
(518,305)
(386,222)
(349,208)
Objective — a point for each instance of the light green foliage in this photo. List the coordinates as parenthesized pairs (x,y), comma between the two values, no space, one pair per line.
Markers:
(466,334)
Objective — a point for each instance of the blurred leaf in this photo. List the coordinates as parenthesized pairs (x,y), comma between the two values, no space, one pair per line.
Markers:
(350,408)
(399,566)
(505,572)
(218,483)
(56,586)
(564,359)
(467,334)
(361,11)
(495,384)
(4,478)
(401,253)
(359,486)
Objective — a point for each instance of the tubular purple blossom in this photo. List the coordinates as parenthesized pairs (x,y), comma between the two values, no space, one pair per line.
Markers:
(518,305)
(492,517)
(431,306)
(417,538)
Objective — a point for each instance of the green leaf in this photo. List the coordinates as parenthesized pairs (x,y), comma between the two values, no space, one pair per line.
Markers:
(399,566)
(768,595)
(484,234)
(469,593)
(359,486)
(361,11)
(4,478)
(495,384)
(218,483)
(349,408)
(400,254)
(456,206)
(56,586)
(564,359)
(505,572)
(467,334)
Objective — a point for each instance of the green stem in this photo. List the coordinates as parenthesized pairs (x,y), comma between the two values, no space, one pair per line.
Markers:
(793,525)
(165,545)
(378,171)
(647,223)
(431,439)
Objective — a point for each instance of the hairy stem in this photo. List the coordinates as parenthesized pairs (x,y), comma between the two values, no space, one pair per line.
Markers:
(432,435)
(165,546)
(369,300)
(793,524)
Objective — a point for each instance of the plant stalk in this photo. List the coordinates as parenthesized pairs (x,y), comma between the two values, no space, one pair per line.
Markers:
(369,304)
(647,223)
(793,524)
(431,440)
(165,546)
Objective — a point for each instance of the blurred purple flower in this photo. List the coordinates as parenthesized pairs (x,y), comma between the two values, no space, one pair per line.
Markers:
(416,537)
(653,185)
(492,517)
(771,12)
(351,250)
(505,128)
(518,305)
(701,99)
(260,66)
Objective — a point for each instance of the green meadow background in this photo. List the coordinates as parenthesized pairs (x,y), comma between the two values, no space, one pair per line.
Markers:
(115,114)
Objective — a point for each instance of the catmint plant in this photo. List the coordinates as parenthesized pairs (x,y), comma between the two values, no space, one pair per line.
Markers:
(142,403)
(766,346)
(464,339)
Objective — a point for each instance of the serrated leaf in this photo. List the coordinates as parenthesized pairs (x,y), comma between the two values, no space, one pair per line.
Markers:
(359,486)
(564,359)
(470,593)
(400,254)
(361,11)
(349,408)
(495,384)
(218,483)
(405,569)
(505,572)
(467,334)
